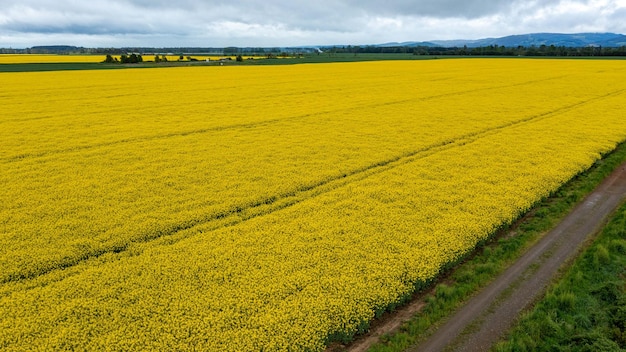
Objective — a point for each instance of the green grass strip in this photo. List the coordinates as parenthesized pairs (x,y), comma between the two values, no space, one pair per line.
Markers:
(586,309)
(327,57)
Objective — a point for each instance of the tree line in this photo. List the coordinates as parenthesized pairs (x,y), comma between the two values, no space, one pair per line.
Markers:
(124,59)
(490,50)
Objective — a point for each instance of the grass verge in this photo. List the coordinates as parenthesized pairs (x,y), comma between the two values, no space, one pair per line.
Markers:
(463,281)
(586,309)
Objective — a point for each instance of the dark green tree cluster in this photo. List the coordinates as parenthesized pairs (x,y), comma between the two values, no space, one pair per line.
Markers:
(124,59)
(131,59)
(110,60)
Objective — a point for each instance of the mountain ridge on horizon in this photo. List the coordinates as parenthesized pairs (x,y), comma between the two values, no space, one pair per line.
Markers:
(531,39)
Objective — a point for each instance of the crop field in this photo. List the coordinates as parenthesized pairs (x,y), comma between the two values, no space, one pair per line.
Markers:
(44,58)
(271,207)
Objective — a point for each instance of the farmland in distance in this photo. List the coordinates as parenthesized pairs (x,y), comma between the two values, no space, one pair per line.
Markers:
(248,208)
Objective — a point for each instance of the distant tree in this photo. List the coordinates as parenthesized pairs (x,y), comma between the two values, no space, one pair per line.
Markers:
(239,58)
(157,58)
(132,59)
(109,59)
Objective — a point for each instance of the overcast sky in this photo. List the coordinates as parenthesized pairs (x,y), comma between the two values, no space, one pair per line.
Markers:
(218,23)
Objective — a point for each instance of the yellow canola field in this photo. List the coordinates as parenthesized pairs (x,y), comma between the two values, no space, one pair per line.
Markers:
(51,58)
(248,208)
(45,58)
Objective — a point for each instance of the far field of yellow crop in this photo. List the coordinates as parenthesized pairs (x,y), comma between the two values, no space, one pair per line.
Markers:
(41,58)
(273,207)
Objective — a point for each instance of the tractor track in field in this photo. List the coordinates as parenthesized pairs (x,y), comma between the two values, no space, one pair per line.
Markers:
(234,216)
(488,315)
(78,148)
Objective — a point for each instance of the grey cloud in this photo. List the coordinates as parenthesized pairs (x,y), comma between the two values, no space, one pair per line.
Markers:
(283,22)
(616,20)
(434,8)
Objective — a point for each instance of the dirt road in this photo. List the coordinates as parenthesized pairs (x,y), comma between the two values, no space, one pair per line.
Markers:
(493,311)
(487,316)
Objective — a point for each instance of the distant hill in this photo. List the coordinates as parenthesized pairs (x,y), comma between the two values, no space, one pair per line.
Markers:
(576,40)
(538,39)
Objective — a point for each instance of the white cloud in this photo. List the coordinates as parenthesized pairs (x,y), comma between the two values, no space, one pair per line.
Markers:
(287,23)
